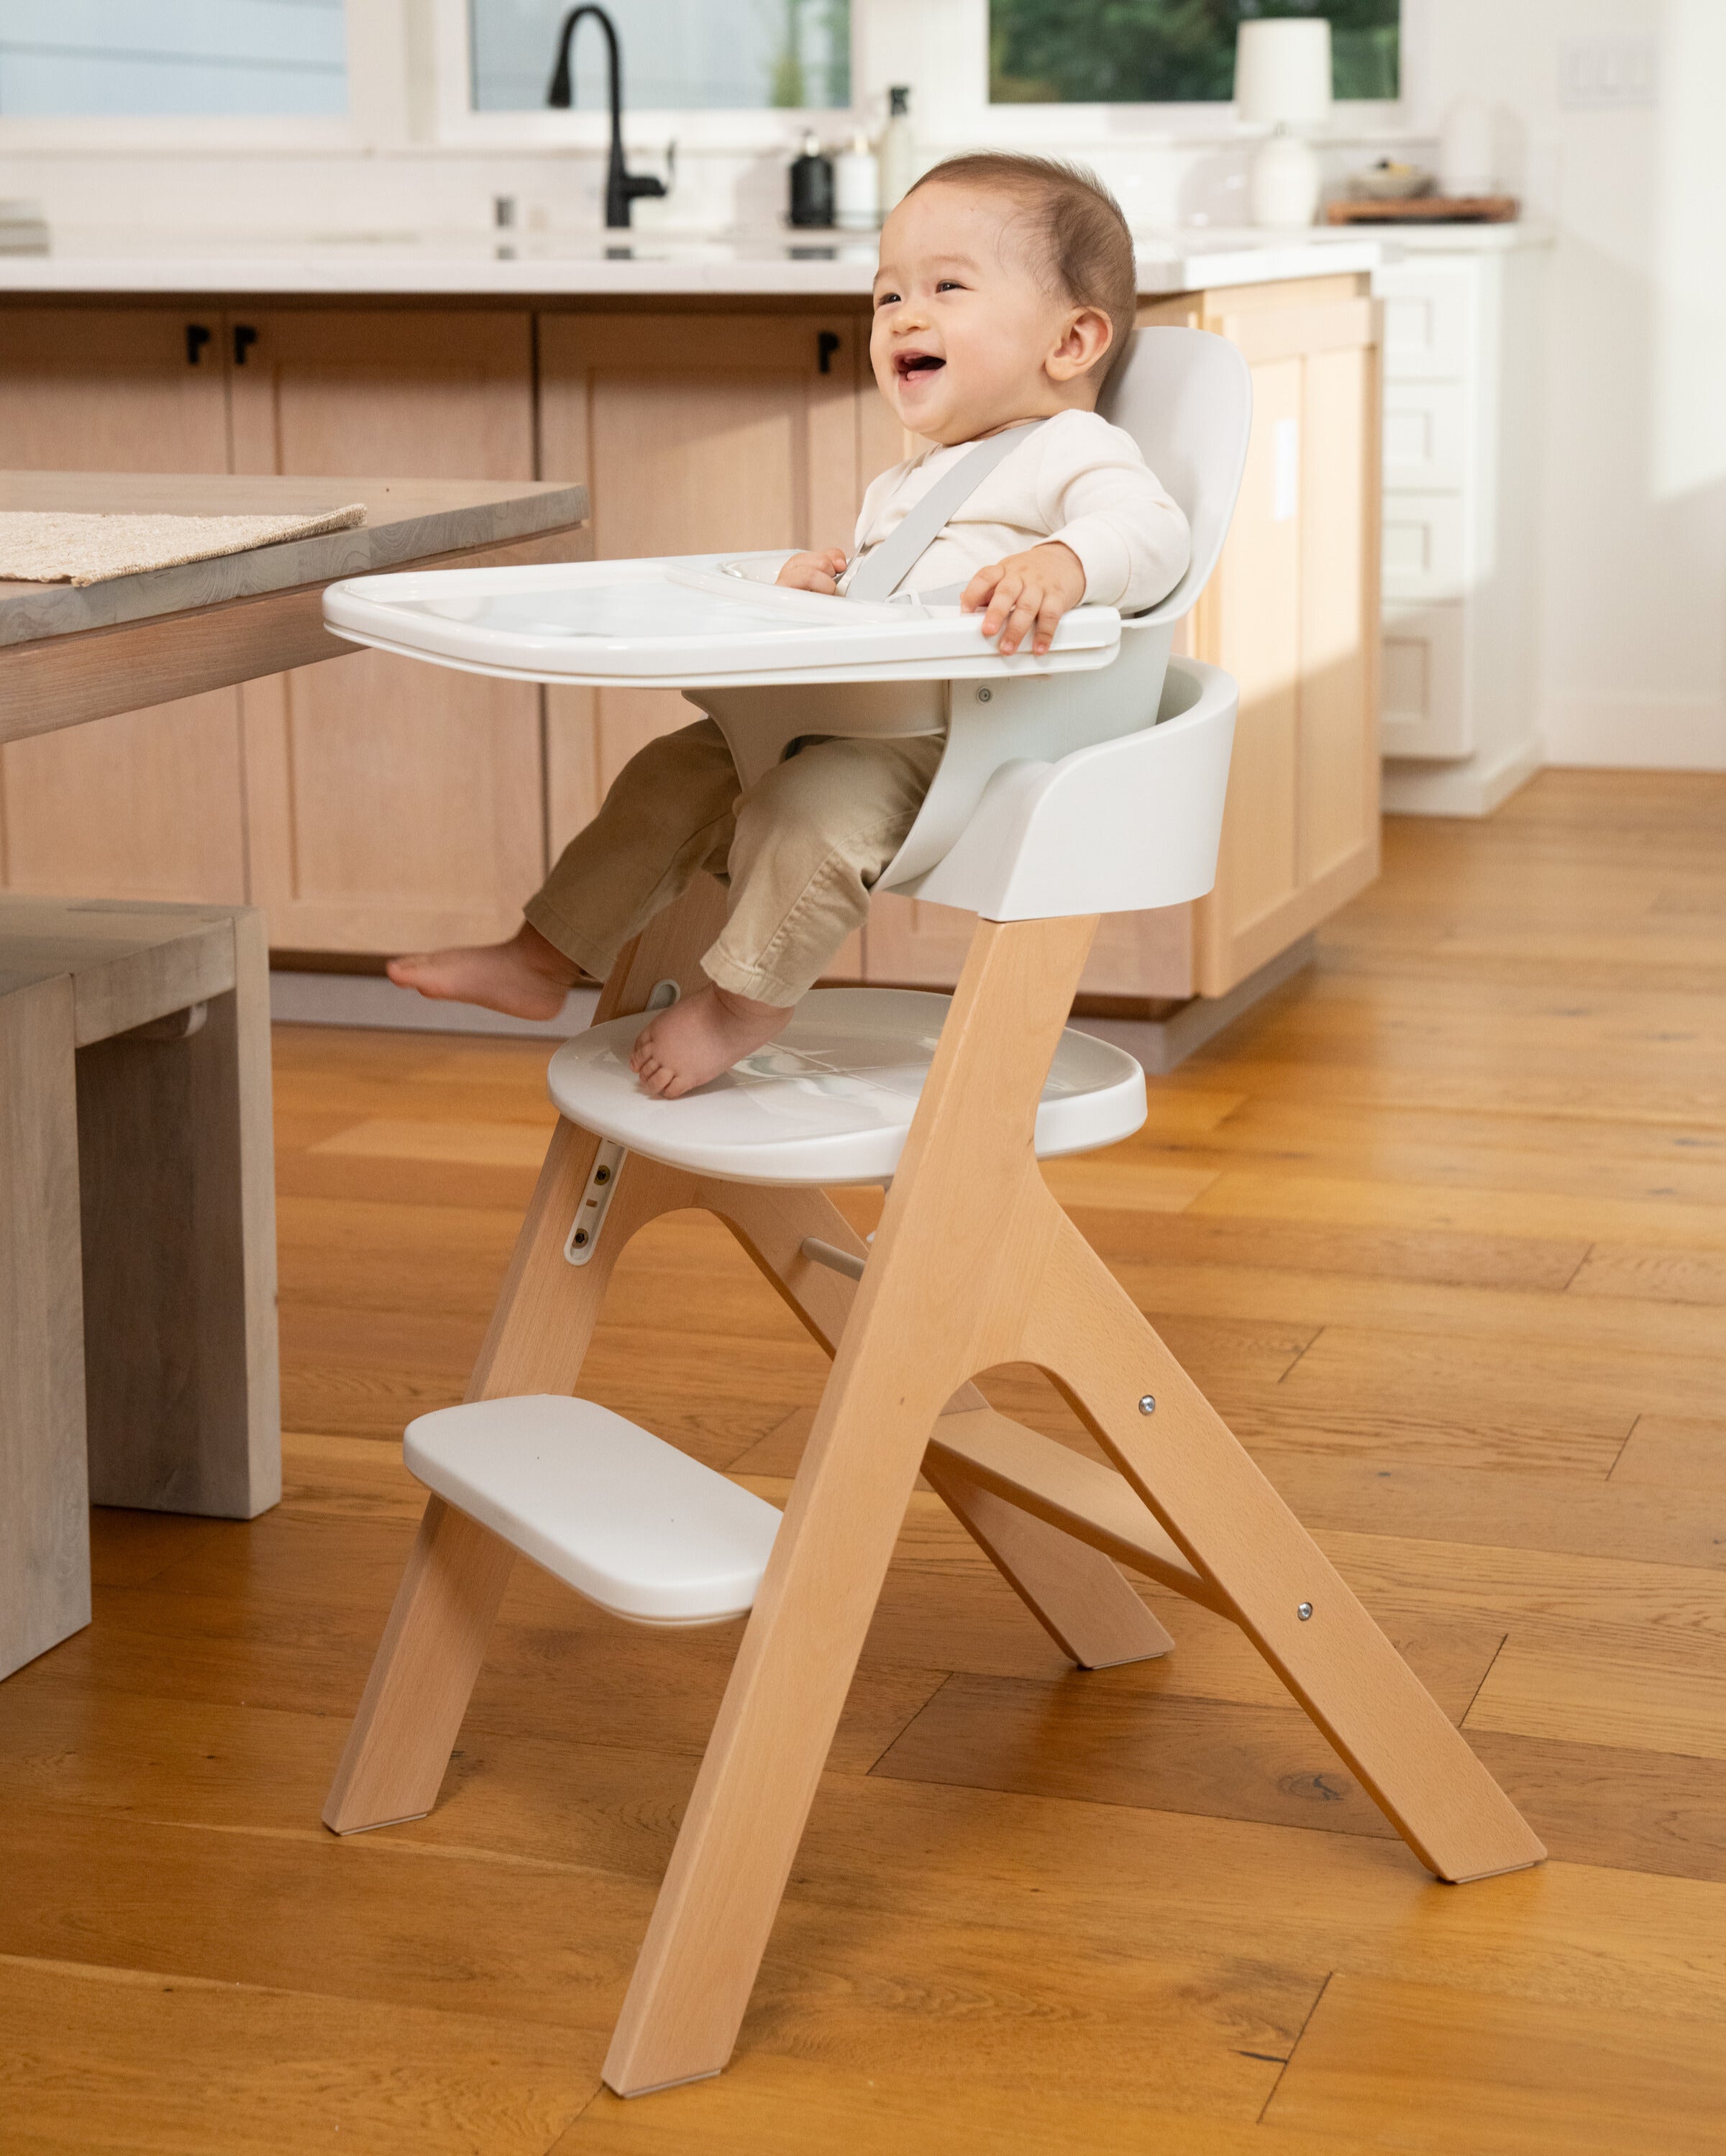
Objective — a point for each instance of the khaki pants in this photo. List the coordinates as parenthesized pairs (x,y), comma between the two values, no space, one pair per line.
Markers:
(801,850)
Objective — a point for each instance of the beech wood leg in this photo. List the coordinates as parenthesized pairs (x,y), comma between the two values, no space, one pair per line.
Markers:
(429,1659)
(1229,1521)
(947,1256)
(422,1675)
(775,1727)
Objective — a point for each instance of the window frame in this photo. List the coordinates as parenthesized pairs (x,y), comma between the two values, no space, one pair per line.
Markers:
(961,112)
(375,88)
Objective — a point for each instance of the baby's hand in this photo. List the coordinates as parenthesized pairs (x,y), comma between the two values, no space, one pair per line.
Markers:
(1027,592)
(815,572)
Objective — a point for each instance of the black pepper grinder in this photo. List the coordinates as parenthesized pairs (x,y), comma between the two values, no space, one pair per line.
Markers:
(812,186)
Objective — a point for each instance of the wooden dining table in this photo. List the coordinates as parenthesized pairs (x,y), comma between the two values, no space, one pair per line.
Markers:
(138,1358)
(69,654)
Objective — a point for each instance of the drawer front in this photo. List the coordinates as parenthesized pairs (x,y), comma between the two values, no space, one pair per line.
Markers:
(1425,706)
(1426,434)
(1430,312)
(1426,545)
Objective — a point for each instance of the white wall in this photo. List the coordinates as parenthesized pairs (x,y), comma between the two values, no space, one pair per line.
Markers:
(1633,627)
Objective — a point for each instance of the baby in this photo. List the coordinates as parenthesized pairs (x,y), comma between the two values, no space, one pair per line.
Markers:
(1005,285)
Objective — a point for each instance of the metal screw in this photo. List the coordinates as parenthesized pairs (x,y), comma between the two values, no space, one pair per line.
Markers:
(1303,1610)
(580,1238)
(985,696)
(602,1175)
(1147,1405)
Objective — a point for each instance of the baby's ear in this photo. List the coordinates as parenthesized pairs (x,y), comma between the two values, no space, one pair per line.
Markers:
(1085,347)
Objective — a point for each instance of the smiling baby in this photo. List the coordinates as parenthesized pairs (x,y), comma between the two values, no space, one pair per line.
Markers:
(1006,286)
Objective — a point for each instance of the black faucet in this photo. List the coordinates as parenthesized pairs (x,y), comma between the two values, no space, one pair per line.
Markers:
(622,187)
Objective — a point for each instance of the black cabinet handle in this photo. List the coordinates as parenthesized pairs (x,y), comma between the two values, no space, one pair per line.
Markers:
(197,337)
(826,344)
(243,340)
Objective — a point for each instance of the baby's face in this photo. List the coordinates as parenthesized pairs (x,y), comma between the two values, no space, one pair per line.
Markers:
(966,336)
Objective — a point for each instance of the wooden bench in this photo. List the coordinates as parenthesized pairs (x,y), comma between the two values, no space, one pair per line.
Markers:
(138,1361)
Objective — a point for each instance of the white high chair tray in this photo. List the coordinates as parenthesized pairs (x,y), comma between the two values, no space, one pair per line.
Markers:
(683,621)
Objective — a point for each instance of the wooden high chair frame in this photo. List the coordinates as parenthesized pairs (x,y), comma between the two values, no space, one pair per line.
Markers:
(974,1265)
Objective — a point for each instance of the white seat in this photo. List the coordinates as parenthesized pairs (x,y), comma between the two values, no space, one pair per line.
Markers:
(831,1100)
(623,1518)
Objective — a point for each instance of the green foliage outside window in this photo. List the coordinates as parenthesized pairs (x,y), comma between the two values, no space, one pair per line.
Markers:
(1166,52)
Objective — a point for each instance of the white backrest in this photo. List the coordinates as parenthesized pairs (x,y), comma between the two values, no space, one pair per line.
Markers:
(1120,827)
(1185,396)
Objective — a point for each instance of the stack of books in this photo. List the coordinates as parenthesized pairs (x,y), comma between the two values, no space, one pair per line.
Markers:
(24,230)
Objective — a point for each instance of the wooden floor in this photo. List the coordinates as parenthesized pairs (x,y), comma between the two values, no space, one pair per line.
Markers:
(1442,1229)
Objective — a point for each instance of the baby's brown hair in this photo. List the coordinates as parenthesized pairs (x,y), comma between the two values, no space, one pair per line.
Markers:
(1084,240)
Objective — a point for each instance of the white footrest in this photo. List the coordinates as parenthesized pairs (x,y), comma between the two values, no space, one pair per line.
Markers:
(624,1518)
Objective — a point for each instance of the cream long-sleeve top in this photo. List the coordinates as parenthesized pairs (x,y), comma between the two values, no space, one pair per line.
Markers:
(1078,479)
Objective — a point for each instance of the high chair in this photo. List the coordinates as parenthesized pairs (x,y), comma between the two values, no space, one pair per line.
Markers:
(950,1102)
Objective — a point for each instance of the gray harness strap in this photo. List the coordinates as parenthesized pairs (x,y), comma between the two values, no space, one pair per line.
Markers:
(884,567)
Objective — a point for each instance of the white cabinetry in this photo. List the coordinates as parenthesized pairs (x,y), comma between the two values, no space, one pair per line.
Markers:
(1462,321)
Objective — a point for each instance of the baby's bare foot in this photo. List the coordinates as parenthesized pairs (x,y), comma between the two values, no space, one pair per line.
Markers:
(527,977)
(695,1040)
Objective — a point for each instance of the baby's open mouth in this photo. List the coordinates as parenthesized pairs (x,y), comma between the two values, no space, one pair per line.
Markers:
(909,363)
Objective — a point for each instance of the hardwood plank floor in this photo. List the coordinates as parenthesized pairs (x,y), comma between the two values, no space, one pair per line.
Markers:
(1442,1227)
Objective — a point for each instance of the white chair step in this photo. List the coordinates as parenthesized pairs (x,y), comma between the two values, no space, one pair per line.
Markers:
(831,1100)
(623,1518)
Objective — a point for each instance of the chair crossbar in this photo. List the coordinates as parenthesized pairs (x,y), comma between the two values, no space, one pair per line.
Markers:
(1082,1497)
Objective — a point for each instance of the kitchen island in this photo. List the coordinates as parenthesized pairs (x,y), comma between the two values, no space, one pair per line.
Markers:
(710,394)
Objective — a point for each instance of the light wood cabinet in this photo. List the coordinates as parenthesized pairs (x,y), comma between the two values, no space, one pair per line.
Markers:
(149,804)
(1292,613)
(390,805)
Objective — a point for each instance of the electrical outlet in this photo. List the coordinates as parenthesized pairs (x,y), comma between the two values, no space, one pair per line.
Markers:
(1598,73)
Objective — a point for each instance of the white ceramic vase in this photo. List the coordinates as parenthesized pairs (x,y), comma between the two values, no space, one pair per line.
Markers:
(1283,183)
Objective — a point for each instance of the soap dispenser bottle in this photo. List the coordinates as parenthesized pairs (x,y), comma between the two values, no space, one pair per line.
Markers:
(896,156)
(857,188)
(812,185)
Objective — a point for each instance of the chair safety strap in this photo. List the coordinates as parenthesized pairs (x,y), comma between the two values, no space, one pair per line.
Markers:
(884,568)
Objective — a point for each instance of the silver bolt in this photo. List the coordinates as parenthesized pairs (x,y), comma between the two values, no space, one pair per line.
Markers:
(1303,1610)
(1147,1405)
(580,1238)
(985,696)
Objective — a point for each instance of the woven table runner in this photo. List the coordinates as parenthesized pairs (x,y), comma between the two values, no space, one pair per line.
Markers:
(56,546)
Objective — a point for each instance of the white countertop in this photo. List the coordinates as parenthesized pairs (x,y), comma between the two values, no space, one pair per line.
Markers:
(1465,238)
(647,264)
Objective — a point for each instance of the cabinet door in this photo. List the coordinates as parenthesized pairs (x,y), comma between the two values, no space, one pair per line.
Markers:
(391,804)
(1292,613)
(149,803)
(693,433)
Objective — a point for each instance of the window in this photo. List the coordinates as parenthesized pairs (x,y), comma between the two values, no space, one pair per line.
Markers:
(678,55)
(1168,52)
(108,59)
